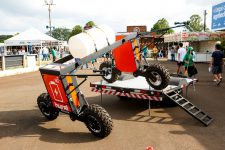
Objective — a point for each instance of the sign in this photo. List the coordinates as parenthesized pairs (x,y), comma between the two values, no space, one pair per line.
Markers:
(195,36)
(184,35)
(56,92)
(136,28)
(218,16)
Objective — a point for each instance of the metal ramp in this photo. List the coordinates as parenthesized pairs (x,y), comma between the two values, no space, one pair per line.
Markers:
(190,108)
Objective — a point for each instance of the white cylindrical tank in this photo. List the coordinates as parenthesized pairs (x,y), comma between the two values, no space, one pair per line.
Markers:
(91,40)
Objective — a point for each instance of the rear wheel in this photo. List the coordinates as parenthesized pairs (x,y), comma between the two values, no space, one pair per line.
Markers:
(46,107)
(97,120)
(110,76)
(157,76)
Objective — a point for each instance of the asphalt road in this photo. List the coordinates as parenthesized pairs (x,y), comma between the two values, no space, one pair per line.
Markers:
(22,126)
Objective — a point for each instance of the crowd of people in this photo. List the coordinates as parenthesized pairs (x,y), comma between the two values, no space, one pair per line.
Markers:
(186,57)
(46,52)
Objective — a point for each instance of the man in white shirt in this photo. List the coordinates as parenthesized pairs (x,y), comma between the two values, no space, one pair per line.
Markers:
(180,57)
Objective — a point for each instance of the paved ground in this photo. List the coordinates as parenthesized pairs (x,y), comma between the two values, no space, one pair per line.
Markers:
(169,128)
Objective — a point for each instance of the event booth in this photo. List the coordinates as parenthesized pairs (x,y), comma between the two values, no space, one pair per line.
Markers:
(202,42)
(23,49)
(30,38)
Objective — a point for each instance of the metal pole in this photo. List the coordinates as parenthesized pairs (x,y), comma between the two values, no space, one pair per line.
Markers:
(49,17)
(149,105)
(205,13)
(101,91)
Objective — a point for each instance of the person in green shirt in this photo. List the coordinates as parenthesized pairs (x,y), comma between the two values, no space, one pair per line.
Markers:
(54,54)
(145,51)
(189,63)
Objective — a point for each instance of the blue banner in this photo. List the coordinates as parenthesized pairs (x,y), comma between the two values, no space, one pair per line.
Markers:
(218,16)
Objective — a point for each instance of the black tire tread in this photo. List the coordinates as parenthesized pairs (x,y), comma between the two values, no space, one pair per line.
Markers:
(163,72)
(102,115)
(44,98)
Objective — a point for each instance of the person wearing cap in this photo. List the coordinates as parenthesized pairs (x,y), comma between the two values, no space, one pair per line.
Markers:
(189,63)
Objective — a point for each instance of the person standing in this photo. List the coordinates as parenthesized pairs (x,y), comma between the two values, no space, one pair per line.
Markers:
(155,53)
(172,53)
(45,53)
(189,62)
(180,57)
(145,51)
(217,64)
(54,54)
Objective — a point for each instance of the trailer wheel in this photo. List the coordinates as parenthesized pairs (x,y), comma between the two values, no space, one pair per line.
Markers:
(46,107)
(111,76)
(160,74)
(97,120)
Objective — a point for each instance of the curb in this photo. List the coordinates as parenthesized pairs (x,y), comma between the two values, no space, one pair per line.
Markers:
(18,71)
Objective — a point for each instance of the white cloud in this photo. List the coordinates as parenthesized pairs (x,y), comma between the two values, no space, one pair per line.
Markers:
(17,16)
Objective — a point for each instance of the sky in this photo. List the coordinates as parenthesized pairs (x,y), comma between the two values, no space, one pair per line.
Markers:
(18,15)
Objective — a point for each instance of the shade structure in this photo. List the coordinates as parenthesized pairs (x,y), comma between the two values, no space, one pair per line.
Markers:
(31,36)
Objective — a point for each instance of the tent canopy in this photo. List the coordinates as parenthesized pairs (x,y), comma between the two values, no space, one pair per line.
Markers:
(31,36)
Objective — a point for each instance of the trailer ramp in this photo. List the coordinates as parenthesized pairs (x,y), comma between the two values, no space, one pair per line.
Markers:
(189,107)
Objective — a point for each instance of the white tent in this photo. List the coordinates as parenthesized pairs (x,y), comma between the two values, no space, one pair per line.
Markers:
(31,36)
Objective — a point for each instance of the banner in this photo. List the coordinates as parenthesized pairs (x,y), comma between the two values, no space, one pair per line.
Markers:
(194,36)
(218,16)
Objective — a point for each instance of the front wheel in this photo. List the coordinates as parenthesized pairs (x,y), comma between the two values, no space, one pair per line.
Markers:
(97,120)
(110,75)
(157,76)
(46,107)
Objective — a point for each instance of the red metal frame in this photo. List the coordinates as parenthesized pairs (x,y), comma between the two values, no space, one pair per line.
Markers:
(124,56)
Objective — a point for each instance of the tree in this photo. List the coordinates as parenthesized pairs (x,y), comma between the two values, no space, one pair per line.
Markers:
(61,34)
(76,30)
(161,24)
(90,24)
(195,24)
(4,37)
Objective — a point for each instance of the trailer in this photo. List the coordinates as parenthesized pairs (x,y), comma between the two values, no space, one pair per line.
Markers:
(138,88)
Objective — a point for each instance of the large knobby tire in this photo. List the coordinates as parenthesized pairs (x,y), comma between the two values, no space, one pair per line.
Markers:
(46,107)
(161,74)
(111,76)
(97,120)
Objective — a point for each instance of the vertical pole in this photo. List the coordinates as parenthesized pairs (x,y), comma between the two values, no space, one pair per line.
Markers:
(49,17)
(49,4)
(25,63)
(101,92)
(3,62)
(149,105)
(27,49)
(205,13)
(40,54)
(5,50)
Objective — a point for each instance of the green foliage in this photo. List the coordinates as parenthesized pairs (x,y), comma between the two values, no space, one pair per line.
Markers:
(90,24)
(61,34)
(4,37)
(76,30)
(161,24)
(195,24)
(223,46)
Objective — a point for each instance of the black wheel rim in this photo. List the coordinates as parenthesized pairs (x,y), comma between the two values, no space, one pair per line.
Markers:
(93,124)
(158,79)
(44,109)
(108,73)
